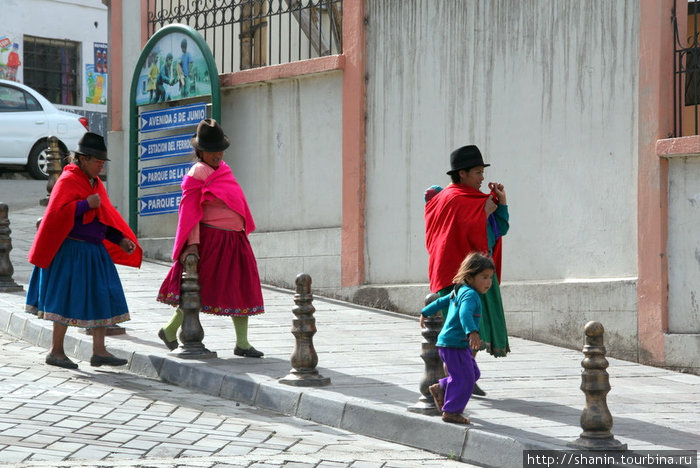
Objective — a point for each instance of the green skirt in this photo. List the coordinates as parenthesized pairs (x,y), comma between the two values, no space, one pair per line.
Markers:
(492,327)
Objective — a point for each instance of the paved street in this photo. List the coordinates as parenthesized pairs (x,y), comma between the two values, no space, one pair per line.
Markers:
(54,417)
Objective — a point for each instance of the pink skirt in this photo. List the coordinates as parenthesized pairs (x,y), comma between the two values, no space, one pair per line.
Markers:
(228,275)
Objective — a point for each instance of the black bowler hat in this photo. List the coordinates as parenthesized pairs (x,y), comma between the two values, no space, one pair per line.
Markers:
(92,144)
(210,137)
(465,158)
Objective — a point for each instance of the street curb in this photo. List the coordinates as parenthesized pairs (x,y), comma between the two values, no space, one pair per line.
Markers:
(429,433)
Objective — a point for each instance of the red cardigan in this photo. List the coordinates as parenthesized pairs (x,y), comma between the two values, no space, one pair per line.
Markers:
(58,220)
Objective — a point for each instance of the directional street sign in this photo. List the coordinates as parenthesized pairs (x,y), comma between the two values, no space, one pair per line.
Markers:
(166,147)
(160,203)
(160,176)
(172,117)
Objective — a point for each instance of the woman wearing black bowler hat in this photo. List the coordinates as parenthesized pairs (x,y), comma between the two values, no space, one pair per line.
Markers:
(213,223)
(460,219)
(80,238)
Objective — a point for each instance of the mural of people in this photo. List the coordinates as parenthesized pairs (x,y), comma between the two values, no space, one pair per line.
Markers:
(152,75)
(100,49)
(165,78)
(174,69)
(186,68)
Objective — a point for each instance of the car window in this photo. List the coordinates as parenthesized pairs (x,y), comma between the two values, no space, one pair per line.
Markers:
(16,100)
(32,103)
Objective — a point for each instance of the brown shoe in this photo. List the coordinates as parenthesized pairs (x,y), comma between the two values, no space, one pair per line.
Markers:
(438,395)
(455,418)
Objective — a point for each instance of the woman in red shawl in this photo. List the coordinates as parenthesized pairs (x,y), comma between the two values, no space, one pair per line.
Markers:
(460,219)
(213,223)
(80,238)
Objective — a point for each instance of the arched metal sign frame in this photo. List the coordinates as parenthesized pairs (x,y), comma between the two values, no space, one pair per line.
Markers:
(133,107)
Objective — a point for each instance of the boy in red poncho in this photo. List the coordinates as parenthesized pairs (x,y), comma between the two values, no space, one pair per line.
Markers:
(460,219)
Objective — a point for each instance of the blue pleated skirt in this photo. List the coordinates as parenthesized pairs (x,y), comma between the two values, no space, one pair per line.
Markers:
(80,288)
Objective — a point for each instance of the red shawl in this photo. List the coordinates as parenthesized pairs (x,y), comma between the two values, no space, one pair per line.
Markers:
(455,224)
(220,184)
(58,220)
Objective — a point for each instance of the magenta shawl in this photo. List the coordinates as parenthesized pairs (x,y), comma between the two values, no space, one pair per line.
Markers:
(220,184)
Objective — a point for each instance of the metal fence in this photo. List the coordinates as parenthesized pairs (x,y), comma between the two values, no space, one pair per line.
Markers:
(244,34)
(686,70)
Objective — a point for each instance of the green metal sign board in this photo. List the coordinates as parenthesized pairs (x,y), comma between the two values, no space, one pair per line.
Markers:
(175,85)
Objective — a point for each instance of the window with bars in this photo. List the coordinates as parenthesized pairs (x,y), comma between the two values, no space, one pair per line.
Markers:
(244,34)
(51,67)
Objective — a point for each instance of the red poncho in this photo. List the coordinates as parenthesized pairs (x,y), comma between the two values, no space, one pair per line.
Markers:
(58,220)
(455,225)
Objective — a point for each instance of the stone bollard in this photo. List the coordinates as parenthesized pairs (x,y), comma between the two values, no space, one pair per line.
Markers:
(434,369)
(596,420)
(191,333)
(53,158)
(304,358)
(7,284)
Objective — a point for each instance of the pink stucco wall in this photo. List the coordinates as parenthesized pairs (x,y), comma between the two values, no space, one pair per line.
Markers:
(655,122)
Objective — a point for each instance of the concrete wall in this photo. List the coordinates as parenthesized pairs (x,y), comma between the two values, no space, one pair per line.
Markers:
(548,91)
(684,245)
(286,154)
(682,343)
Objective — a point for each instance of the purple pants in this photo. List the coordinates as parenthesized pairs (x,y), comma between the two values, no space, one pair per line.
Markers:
(462,375)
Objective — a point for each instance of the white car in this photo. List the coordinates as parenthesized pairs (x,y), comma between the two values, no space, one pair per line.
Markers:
(27,119)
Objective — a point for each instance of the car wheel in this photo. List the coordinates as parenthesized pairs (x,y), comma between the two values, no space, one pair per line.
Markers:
(37,165)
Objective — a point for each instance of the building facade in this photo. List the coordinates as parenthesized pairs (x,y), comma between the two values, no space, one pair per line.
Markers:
(570,102)
(59,48)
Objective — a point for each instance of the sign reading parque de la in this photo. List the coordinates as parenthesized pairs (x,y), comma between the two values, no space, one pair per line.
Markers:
(175,85)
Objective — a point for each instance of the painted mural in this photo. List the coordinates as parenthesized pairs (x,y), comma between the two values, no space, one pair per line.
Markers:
(9,58)
(100,56)
(96,85)
(175,69)
(96,76)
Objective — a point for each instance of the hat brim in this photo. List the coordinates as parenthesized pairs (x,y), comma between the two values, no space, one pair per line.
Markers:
(453,171)
(214,147)
(93,154)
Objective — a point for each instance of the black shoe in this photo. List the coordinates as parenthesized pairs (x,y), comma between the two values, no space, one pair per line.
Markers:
(60,362)
(477,391)
(170,344)
(250,352)
(97,361)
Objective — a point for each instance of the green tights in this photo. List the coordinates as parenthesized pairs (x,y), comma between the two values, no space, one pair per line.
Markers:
(239,323)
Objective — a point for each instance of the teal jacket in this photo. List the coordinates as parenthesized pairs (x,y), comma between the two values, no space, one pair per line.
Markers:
(463,317)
